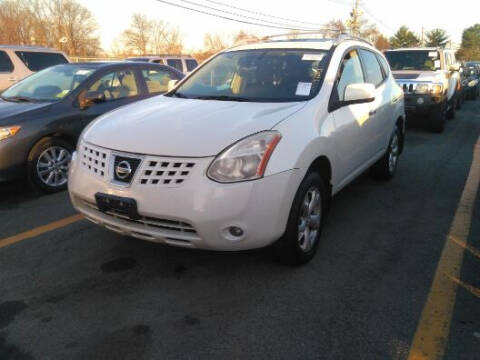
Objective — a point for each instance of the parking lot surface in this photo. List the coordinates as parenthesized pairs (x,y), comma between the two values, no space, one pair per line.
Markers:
(72,290)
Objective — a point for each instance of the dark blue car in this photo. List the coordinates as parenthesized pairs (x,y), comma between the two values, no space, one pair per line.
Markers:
(42,116)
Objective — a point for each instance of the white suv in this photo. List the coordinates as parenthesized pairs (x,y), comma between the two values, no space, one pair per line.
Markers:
(247,151)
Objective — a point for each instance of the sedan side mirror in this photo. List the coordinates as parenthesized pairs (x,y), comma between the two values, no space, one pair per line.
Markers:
(359,93)
(90,98)
(172,84)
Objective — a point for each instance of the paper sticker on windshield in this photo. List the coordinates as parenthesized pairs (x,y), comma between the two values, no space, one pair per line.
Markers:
(303,89)
(313,57)
(433,54)
(83,72)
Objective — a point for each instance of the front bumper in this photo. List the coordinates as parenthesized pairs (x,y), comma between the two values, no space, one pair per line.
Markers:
(13,159)
(195,214)
(422,104)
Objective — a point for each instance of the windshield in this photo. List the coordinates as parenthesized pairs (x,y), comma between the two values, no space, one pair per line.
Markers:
(412,60)
(257,75)
(50,84)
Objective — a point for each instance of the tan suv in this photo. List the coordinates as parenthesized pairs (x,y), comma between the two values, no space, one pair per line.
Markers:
(17,62)
(183,63)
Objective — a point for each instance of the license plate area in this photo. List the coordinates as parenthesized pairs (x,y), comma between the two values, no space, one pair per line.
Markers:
(117,204)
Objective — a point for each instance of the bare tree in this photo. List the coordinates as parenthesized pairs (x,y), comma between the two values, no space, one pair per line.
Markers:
(136,38)
(334,27)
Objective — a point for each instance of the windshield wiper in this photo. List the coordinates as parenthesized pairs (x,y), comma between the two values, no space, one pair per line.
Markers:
(179,95)
(19,99)
(221,98)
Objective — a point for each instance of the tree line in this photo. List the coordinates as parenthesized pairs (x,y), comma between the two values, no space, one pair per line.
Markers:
(70,27)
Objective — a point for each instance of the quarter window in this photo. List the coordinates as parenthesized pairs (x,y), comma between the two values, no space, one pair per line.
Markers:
(116,85)
(36,61)
(350,73)
(372,67)
(6,65)
(157,80)
(384,64)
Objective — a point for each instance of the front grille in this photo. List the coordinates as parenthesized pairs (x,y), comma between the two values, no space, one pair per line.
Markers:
(165,172)
(93,159)
(171,229)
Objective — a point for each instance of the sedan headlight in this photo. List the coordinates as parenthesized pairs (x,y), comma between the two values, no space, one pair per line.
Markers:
(247,159)
(7,132)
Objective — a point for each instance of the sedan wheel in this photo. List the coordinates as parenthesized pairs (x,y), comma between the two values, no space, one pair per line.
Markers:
(52,166)
(310,219)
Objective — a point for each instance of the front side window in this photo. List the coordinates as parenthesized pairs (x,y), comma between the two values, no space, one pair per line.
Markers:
(264,75)
(157,80)
(50,84)
(384,64)
(412,60)
(350,73)
(191,64)
(372,67)
(116,85)
(36,61)
(6,65)
(176,63)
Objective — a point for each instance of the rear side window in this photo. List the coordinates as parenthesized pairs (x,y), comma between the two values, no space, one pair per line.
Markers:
(372,67)
(36,61)
(6,65)
(160,61)
(350,73)
(191,64)
(157,80)
(176,63)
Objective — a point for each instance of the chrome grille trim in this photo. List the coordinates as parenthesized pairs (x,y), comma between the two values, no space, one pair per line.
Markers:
(165,172)
(94,159)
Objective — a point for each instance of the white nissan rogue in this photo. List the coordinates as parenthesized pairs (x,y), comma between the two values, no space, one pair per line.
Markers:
(245,152)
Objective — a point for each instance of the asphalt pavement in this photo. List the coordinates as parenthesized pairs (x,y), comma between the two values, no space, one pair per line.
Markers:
(78,291)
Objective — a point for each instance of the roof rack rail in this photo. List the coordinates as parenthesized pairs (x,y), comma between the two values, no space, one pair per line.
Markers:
(345,36)
(31,47)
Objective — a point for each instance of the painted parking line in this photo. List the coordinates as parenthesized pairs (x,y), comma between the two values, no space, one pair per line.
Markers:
(40,230)
(431,335)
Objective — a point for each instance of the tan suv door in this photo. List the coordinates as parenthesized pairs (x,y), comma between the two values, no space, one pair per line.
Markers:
(7,69)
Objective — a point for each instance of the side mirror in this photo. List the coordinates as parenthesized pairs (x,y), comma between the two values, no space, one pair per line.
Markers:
(454,67)
(359,93)
(90,98)
(172,84)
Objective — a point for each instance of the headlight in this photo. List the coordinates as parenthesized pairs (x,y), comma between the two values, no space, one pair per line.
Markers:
(422,89)
(429,88)
(7,132)
(246,159)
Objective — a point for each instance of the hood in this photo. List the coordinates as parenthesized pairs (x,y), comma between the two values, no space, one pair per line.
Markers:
(184,127)
(418,75)
(9,109)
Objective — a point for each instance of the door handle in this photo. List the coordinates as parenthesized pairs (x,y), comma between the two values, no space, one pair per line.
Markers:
(372,112)
(12,79)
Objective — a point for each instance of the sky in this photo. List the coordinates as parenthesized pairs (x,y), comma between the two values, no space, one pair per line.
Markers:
(113,16)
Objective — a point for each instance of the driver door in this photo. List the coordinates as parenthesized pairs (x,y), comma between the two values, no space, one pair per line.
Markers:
(353,122)
(119,87)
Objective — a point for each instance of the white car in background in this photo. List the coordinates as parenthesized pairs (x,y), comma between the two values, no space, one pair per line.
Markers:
(183,63)
(18,62)
(247,151)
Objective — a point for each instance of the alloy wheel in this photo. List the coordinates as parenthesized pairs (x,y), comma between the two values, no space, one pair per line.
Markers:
(310,219)
(52,166)
(393,154)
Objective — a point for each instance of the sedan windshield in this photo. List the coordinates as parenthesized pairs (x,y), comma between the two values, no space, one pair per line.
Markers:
(50,84)
(257,75)
(412,60)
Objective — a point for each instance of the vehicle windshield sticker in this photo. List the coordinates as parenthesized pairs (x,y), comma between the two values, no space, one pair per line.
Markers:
(437,64)
(62,94)
(303,89)
(313,57)
(433,54)
(83,72)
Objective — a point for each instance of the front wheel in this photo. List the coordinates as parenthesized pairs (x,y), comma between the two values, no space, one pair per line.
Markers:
(452,112)
(438,118)
(384,169)
(300,241)
(48,164)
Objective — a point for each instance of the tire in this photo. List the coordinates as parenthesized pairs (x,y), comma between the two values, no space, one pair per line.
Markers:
(451,113)
(438,118)
(48,164)
(384,169)
(459,101)
(293,248)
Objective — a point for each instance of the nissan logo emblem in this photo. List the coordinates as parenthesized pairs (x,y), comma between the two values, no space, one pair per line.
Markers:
(123,169)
